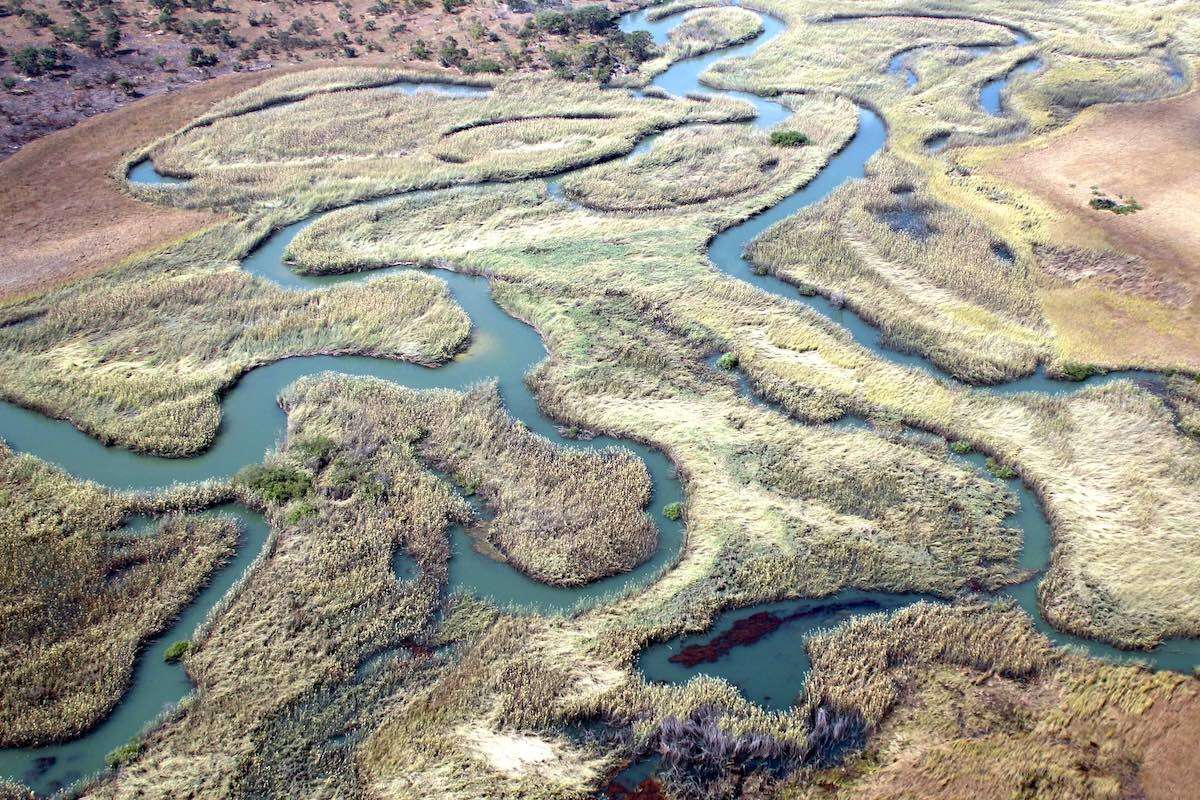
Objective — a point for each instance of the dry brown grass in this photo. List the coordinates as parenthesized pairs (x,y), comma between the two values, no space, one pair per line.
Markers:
(78,597)
(1133,301)
(91,224)
(955,730)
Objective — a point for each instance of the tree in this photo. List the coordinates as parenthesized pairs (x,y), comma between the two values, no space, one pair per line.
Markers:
(553,22)
(593,19)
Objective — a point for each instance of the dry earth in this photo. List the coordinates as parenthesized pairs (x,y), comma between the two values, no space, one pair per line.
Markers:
(85,222)
(1135,302)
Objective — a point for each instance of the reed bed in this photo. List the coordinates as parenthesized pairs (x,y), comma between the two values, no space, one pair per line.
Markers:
(561,516)
(79,595)
(139,359)
(932,278)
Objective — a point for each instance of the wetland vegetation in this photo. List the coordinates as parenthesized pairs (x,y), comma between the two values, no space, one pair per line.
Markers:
(555,458)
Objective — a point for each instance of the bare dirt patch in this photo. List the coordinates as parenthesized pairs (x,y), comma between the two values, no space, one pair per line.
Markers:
(1147,263)
(66,216)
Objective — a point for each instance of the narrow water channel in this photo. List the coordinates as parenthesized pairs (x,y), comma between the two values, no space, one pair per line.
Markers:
(502,349)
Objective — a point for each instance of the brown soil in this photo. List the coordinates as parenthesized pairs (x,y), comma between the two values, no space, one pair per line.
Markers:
(65,216)
(1146,151)
(1143,151)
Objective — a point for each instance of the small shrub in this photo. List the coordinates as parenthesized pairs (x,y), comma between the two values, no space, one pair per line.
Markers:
(176,651)
(123,755)
(1108,204)
(961,447)
(300,510)
(553,22)
(1078,372)
(490,65)
(728,361)
(789,139)
(198,57)
(277,484)
(673,511)
(1002,471)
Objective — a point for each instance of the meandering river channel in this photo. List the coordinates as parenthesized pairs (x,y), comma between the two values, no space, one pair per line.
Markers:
(503,349)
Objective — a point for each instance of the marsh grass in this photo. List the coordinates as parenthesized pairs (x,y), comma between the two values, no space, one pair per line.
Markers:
(79,597)
(139,357)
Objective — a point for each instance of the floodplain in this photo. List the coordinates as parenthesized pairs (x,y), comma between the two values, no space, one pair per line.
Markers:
(565,414)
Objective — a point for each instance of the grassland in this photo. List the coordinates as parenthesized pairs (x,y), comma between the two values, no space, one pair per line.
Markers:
(79,595)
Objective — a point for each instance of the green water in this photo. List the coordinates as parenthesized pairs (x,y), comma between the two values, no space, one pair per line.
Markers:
(502,349)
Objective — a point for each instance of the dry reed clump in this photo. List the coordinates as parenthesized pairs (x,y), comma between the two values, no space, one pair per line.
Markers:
(927,274)
(78,596)
(1183,397)
(960,716)
(139,356)
(561,516)
(698,32)
(282,664)
(862,666)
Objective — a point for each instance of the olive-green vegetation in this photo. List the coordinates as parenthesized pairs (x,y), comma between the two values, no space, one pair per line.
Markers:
(698,32)
(78,595)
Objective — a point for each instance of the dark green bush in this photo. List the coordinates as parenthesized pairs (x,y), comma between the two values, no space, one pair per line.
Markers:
(483,65)
(277,484)
(553,22)
(789,139)
(1078,372)
(591,19)
(198,57)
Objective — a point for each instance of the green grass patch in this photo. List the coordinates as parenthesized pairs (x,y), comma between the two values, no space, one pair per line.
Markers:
(123,755)
(176,651)
(277,484)
(673,511)
(1002,471)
